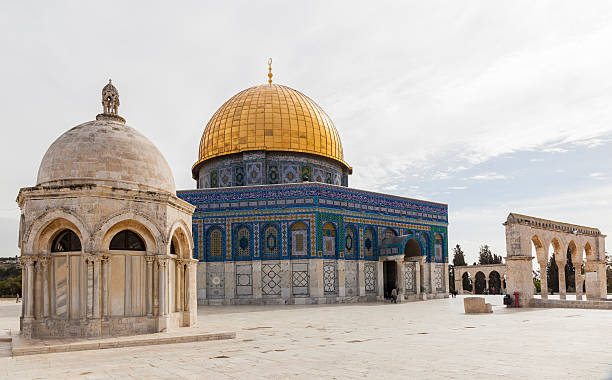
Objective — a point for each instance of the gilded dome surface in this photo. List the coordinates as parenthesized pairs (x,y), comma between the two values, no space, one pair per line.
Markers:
(108,152)
(270,117)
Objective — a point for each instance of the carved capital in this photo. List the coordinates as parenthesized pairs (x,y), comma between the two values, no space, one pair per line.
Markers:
(93,258)
(27,260)
(162,262)
(42,263)
(149,259)
(105,259)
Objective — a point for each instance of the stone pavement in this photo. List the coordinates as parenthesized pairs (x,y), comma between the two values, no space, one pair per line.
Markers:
(418,340)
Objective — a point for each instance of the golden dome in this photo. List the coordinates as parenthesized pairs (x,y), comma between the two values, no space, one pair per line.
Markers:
(270,117)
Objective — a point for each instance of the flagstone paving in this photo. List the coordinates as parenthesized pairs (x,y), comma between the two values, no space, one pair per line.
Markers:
(418,340)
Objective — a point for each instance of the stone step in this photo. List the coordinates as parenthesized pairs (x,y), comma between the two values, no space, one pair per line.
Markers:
(5,349)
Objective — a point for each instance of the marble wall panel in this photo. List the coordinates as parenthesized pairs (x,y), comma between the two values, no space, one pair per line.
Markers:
(299,279)
(244,279)
(117,285)
(60,269)
(351,273)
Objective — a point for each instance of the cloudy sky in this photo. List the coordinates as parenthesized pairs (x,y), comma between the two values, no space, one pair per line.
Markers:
(491,107)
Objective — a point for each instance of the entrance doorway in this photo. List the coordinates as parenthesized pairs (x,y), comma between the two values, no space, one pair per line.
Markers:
(389,275)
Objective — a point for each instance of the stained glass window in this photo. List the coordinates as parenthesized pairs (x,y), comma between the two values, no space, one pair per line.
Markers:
(242,242)
(215,242)
(270,241)
(127,240)
(66,241)
(350,248)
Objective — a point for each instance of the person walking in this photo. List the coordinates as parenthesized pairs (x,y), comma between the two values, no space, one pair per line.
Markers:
(394,295)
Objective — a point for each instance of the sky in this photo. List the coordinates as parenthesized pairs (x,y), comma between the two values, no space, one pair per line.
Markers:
(490,107)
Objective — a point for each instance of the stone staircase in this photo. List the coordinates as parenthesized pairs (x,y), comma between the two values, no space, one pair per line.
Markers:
(6,341)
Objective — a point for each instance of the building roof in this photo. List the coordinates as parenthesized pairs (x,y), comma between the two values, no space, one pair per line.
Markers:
(270,117)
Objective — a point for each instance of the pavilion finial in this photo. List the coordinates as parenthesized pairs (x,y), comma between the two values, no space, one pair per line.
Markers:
(110,103)
(270,71)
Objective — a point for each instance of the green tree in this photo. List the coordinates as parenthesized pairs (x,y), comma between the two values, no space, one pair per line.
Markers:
(552,275)
(458,256)
(486,257)
(458,260)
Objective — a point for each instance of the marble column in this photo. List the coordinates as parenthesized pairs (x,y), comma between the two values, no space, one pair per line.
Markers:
(44,261)
(187,304)
(399,280)
(543,281)
(163,299)
(177,285)
(562,286)
(578,281)
(149,284)
(105,296)
(38,273)
(486,284)
(89,265)
(29,291)
(97,288)
(473,284)
(417,276)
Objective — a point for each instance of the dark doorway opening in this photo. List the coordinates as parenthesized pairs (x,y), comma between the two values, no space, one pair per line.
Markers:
(389,274)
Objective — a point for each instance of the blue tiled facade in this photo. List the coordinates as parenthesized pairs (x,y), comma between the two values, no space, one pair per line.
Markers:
(268,213)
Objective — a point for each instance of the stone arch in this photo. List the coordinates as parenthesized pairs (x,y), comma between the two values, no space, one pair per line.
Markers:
(540,247)
(135,222)
(41,233)
(495,282)
(181,239)
(480,282)
(558,249)
(181,226)
(467,279)
(589,253)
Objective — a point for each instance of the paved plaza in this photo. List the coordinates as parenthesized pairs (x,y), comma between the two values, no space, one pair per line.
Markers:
(432,339)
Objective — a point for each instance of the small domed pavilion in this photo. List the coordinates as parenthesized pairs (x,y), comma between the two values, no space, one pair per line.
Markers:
(105,243)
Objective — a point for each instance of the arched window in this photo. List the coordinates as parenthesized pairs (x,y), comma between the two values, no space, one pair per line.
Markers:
(329,239)
(215,243)
(270,241)
(242,242)
(299,239)
(369,242)
(350,241)
(412,248)
(66,241)
(438,248)
(127,240)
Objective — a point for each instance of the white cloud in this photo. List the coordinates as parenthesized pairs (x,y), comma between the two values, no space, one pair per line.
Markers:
(488,176)
(457,187)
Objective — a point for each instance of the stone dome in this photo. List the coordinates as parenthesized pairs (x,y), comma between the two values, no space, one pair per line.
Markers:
(106,151)
(270,117)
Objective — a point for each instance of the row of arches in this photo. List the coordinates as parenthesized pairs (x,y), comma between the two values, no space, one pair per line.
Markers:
(126,240)
(269,241)
(298,241)
(126,276)
(563,263)
(480,283)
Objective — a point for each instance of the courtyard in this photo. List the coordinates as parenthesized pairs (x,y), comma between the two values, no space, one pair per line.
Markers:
(432,339)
